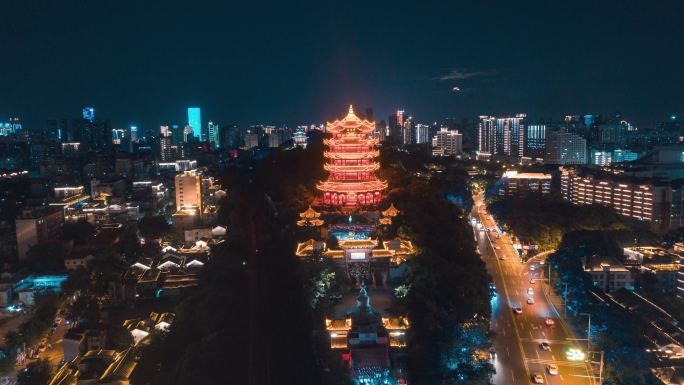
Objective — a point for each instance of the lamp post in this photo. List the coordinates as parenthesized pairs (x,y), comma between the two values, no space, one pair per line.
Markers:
(589,332)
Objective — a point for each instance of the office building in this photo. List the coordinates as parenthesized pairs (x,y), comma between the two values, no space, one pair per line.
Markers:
(447,143)
(564,147)
(37,226)
(195,123)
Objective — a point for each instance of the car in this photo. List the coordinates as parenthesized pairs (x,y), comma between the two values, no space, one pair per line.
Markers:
(537,378)
(533,281)
(497,247)
(532,268)
(545,346)
(552,369)
(502,257)
(530,301)
(549,322)
(492,353)
(530,291)
(517,310)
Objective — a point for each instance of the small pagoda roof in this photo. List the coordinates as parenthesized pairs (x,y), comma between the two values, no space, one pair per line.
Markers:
(391,211)
(307,248)
(309,213)
(399,246)
(358,243)
(385,221)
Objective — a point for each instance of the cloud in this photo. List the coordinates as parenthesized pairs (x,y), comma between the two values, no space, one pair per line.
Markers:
(460,74)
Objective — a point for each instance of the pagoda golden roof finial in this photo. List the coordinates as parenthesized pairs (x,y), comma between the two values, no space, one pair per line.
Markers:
(351,109)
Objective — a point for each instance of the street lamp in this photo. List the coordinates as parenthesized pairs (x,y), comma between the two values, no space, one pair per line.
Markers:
(588,330)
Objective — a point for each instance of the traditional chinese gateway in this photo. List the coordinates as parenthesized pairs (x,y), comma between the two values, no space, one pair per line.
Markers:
(351,163)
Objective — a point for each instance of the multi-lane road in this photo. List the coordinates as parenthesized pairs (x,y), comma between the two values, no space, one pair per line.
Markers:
(519,354)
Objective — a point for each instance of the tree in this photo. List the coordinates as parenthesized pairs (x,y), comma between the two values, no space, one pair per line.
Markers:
(78,280)
(36,373)
(153,226)
(46,257)
(13,341)
(118,337)
(79,231)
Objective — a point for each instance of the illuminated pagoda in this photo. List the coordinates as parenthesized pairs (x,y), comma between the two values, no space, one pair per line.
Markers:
(388,214)
(310,218)
(351,163)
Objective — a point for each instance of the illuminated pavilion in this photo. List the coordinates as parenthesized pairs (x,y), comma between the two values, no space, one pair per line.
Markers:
(351,163)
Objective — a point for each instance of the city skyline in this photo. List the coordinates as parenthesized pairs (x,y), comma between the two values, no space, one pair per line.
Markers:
(557,61)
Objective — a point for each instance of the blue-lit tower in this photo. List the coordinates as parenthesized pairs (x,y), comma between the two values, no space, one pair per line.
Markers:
(195,121)
(89,114)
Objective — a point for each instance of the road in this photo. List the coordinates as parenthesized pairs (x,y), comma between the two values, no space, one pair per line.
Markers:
(518,336)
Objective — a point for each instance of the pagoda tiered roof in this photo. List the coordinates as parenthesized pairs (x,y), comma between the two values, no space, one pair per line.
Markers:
(309,213)
(372,167)
(350,122)
(351,142)
(391,211)
(352,186)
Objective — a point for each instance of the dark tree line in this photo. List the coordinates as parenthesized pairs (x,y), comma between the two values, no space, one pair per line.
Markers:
(251,321)
(446,293)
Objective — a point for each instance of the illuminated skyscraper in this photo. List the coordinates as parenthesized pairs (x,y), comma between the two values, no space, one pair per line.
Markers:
(213,133)
(535,140)
(195,121)
(422,133)
(89,114)
(396,127)
(502,136)
(133,134)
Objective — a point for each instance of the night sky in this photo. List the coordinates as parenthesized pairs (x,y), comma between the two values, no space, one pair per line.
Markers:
(144,61)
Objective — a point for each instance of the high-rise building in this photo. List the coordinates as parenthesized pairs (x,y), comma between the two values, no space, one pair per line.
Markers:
(535,140)
(195,121)
(486,144)
(118,136)
(188,190)
(624,156)
(422,133)
(89,114)
(408,131)
(396,126)
(351,163)
(601,157)
(165,144)
(502,136)
(229,136)
(133,134)
(563,147)
(213,134)
(447,142)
